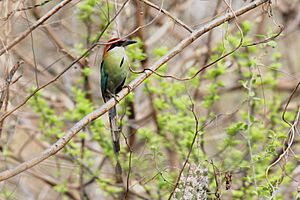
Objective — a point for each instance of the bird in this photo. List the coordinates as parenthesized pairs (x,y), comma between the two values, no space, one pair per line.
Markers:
(113,70)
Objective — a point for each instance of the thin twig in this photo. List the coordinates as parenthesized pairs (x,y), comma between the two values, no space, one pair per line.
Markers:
(273,37)
(288,102)
(167,13)
(249,124)
(217,181)
(81,170)
(4,97)
(33,54)
(129,167)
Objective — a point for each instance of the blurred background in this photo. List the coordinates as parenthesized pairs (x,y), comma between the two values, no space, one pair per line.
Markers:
(233,110)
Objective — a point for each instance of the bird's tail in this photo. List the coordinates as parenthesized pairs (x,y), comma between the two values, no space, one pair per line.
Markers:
(115,132)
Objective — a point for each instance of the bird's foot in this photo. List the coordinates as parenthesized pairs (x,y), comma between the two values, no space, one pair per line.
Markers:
(128,87)
(115,96)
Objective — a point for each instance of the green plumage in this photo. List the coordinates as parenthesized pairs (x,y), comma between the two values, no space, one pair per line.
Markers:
(113,72)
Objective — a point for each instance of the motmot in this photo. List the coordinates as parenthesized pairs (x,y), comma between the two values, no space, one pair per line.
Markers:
(114,69)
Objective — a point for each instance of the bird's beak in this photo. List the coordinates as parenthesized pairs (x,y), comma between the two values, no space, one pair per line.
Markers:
(128,42)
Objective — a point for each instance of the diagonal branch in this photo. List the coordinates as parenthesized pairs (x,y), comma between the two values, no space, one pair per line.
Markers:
(104,108)
(24,34)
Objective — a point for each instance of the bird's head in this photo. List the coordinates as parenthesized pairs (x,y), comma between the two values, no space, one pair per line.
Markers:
(117,42)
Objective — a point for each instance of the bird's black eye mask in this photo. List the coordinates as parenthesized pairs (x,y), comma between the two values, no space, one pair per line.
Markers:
(121,44)
(116,44)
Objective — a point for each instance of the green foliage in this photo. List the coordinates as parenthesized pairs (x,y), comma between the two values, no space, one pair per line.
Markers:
(50,124)
(105,185)
(83,106)
(86,71)
(159,52)
(246,27)
(61,188)
(94,14)
(86,9)
(5,193)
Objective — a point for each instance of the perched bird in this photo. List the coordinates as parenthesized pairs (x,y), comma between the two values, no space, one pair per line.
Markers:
(114,68)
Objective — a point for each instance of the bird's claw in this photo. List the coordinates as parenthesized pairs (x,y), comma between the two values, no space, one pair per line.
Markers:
(115,96)
(128,87)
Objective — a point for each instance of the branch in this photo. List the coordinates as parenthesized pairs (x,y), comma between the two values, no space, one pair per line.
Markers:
(4,93)
(175,19)
(24,34)
(133,84)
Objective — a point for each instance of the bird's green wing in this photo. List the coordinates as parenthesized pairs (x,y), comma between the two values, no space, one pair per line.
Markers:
(104,78)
